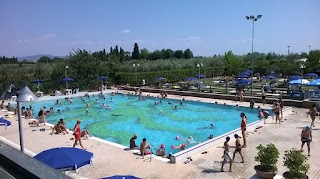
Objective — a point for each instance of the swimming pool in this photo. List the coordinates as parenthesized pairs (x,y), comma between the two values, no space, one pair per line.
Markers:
(129,116)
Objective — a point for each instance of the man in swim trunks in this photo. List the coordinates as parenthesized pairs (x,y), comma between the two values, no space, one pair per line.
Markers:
(226,155)
(313,113)
(306,137)
(133,143)
(144,146)
(276,109)
(238,148)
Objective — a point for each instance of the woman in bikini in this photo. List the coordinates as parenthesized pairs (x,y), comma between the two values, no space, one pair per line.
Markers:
(244,128)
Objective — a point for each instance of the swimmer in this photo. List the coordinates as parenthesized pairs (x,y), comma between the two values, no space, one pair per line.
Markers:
(210,136)
(103,104)
(108,107)
(180,147)
(175,108)
(160,112)
(96,101)
(58,111)
(191,140)
(216,102)
(88,105)
(224,104)
(169,102)
(87,111)
(211,127)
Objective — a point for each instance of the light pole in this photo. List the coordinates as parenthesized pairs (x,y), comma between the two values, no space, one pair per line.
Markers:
(302,67)
(288,50)
(24,95)
(309,49)
(199,65)
(65,73)
(136,65)
(253,18)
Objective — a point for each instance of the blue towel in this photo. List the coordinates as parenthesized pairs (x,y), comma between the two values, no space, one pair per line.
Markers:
(4,122)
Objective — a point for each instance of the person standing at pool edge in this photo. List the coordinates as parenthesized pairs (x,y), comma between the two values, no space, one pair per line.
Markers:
(77,134)
(244,128)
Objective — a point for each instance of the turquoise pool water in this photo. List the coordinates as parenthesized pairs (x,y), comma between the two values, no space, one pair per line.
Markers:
(129,116)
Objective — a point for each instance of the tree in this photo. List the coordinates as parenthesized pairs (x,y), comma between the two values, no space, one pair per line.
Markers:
(144,53)
(135,53)
(121,55)
(187,54)
(44,59)
(178,54)
(167,53)
(232,63)
(313,61)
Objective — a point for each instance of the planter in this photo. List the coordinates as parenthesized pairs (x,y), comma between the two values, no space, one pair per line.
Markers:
(262,174)
(288,175)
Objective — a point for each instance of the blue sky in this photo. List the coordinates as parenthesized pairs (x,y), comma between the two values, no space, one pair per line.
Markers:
(207,27)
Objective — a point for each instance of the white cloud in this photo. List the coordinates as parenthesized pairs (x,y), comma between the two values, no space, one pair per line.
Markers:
(192,38)
(125,31)
(24,41)
(48,36)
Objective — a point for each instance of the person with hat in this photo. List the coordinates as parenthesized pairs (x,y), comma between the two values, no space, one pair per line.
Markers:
(161,151)
(226,155)
(133,145)
(306,137)
(238,148)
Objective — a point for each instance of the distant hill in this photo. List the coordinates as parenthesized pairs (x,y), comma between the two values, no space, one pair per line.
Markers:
(37,57)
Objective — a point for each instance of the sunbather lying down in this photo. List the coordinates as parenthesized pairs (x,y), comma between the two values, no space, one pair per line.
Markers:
(36,122)
(85,134)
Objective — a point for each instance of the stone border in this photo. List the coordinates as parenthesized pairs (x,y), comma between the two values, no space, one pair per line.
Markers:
(183,155)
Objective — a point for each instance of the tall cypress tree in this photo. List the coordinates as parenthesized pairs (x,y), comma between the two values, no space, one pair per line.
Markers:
(136,52)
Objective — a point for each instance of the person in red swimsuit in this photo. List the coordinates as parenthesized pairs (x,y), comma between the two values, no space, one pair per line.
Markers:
(243,128)
(77,134)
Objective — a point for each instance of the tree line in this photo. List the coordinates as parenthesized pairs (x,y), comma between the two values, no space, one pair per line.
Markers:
(117,64)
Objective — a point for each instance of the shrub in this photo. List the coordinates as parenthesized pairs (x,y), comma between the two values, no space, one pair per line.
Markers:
(296,162)
(267,157)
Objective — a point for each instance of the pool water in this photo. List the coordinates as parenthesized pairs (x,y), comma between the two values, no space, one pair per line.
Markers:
(129,116)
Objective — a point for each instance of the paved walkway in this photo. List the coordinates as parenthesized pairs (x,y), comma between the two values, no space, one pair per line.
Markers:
(110,160)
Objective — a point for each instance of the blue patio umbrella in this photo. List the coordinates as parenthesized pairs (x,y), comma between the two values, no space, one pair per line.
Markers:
(248,71)
(245,73)
(294,77)
(298,82)
(102,77)
(243,82)
(121,177)
(38,83)
(4,122)
(65,158)
(200,76)
(67,79)
(190,79)
(160,78)
(242,76)
(311,75)
(269,77)
(315,82)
